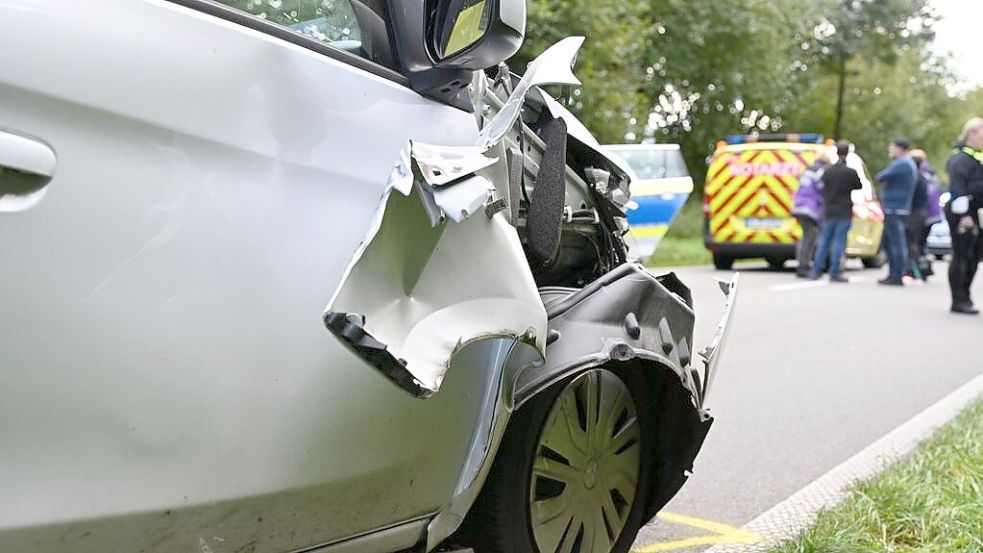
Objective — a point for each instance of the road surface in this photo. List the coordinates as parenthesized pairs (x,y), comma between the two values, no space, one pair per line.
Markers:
(813,373)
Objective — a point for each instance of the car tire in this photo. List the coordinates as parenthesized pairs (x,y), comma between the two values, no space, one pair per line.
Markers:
(723,262)
(877,261)
(775,263)
(541,500)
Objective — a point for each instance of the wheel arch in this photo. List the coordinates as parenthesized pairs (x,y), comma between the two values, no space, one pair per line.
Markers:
(631,320)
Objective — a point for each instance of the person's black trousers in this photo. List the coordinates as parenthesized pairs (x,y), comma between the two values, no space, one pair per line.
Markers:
(965,257)
(914,232)
(805,250)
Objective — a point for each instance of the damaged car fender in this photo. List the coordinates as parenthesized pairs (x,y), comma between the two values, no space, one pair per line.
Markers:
(634,318)
(628,313)
(442,265)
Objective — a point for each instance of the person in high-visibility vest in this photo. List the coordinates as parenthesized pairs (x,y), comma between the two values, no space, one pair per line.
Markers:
(965,168)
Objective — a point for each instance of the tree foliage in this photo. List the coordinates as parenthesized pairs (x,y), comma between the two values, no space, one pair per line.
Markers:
(694,72)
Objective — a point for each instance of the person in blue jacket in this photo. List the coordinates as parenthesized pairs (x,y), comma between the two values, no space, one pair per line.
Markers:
(898,180)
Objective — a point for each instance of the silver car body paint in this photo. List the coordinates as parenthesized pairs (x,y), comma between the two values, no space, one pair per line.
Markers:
(166,378)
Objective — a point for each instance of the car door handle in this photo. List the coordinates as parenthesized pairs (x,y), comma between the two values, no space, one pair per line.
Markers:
(26,167)
(27,155)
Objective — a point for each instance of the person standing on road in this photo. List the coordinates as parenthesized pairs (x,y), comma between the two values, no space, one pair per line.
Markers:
(933,206)
(807,206)
(898,179)
(915,225)
(965,168)
(838,182)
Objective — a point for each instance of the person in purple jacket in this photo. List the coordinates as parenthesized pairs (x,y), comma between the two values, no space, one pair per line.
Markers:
(807,206)
(925,211)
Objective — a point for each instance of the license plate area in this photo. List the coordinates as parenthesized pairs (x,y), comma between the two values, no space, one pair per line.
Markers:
(763,223)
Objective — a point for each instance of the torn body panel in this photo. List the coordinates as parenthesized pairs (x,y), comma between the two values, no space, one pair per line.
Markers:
(420,287)
(420,293)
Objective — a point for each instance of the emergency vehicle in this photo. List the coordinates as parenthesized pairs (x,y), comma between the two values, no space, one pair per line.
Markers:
(660,185)
(747,202)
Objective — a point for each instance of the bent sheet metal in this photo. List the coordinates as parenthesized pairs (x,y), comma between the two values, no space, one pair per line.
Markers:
(436,271)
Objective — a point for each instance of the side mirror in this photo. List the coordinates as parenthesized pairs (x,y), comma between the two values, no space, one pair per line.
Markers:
(476,34)
(441,43)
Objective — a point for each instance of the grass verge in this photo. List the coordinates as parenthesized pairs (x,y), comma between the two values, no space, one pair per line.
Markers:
(675,252)
(683,244)
(930,502)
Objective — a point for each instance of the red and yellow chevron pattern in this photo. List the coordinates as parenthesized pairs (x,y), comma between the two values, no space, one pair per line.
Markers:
(746,185)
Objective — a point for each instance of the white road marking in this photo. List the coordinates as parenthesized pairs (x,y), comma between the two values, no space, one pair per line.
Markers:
(791,286)
(799,510)
(798,285)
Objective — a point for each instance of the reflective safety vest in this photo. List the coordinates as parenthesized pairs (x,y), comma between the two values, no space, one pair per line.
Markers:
(977,155)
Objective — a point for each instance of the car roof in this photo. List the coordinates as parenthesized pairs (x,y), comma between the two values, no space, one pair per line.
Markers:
(641,146)
(771,146)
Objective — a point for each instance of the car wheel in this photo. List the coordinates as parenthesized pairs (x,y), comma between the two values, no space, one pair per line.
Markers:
(723,262)
(775,263)
(877,261)
(572,473)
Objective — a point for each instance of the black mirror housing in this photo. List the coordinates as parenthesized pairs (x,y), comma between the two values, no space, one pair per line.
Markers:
(505,25)
(419,28)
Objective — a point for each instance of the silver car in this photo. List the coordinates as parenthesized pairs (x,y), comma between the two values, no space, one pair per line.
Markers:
(298,275)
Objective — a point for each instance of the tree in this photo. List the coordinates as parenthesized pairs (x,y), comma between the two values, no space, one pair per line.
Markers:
(611,63)
(879,30)
(726,67)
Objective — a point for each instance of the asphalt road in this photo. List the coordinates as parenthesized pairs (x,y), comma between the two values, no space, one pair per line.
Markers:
(813,373)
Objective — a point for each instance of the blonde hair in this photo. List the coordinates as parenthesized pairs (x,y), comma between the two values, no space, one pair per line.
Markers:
(971,126)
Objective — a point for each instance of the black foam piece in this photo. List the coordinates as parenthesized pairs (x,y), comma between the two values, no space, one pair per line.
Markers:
(545,215)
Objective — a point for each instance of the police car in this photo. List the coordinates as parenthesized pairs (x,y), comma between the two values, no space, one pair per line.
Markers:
(660,186)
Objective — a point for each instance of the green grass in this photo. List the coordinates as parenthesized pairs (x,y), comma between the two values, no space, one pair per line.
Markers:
(931,502)
(675,252)
(683,244)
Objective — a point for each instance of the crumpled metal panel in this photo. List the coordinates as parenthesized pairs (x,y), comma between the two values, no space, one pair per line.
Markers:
(425,292)
(431,277)
(553,66)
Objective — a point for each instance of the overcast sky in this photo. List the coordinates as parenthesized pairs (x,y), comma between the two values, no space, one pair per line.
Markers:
(960,32)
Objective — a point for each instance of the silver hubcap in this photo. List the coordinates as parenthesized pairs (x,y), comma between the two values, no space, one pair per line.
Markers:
(586,468)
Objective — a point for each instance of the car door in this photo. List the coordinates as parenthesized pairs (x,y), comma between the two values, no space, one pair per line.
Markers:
(183,188)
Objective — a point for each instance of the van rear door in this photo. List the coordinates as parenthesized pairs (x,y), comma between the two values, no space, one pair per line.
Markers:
(749,189)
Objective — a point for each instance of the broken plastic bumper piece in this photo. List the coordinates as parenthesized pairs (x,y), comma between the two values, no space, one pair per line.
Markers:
(712,353)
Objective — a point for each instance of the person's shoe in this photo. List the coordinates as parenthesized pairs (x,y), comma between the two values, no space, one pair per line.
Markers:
(965,309)
(839,278)
(802,274)
(813,277)
(888,281)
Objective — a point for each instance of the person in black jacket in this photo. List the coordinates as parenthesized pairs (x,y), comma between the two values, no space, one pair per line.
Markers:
(965,168)
(915,224)
(838,182)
